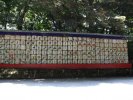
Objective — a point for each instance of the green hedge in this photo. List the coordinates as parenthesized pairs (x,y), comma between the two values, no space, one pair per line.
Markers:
(130,51)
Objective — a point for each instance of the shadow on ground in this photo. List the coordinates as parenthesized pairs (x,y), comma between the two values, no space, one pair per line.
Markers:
(62,73)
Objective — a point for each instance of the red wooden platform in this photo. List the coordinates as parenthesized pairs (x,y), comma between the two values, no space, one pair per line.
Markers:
(66,66)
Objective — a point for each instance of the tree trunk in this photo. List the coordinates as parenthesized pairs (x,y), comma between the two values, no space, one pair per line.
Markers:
(21,15)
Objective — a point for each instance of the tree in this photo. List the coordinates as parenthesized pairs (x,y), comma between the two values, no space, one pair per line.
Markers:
(122,8)
(68,15)
(13,12)
(22,9)
(5,13)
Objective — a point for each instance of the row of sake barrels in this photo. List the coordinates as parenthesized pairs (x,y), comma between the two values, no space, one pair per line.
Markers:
(18,44)
(53,38)
(60,61)
(63,52)
(44,58)
(85,50)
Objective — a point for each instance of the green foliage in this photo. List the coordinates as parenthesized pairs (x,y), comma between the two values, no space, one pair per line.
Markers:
(68,15)
(130,50)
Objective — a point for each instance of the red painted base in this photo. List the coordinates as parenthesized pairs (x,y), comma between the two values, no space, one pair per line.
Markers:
(66,66)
